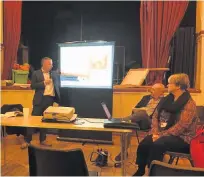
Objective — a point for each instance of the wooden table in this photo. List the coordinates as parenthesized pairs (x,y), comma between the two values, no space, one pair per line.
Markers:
(35,122)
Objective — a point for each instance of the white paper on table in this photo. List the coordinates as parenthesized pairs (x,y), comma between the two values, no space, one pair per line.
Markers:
(92,123)
(92,120)
(2,115)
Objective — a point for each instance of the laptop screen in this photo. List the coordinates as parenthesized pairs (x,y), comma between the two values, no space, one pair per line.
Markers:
(107,112)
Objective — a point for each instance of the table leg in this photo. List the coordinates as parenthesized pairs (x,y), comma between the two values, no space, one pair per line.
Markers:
(123,145)
(4,143)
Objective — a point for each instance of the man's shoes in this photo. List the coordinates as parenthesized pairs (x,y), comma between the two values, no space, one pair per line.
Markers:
(118,157)
(45,143)
(24,145)
(22,142)
(117,165)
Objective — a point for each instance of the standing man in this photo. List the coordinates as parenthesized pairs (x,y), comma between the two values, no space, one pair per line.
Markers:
(46,85)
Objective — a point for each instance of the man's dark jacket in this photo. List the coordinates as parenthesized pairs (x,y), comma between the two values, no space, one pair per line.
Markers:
(37,83)
(143,102)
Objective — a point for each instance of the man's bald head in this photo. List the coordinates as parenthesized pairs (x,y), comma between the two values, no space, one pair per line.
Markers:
(157,90)
(158,86)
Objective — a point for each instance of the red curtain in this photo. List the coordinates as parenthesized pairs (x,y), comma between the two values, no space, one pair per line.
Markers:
(159,21)
(11,34)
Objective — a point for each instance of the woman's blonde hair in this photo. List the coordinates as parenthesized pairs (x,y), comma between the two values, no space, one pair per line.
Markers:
(181,80)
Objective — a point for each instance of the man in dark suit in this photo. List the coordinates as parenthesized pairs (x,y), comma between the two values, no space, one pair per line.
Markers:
(143,110)
(46,85)
(142,113)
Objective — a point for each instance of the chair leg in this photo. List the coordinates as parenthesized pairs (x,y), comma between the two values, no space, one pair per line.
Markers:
(137,137)
(191,161)
(2,131)
(177,160)
(171,159)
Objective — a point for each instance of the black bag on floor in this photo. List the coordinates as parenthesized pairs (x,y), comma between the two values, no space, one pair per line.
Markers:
(102,158)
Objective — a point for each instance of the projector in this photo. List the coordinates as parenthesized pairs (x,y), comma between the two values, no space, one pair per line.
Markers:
(63,113)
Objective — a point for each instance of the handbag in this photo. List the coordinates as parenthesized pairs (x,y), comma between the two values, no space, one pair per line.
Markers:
(197,148)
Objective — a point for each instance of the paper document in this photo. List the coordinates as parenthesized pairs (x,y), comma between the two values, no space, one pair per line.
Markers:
(88,122)
(92,120)
(13,114)
(2,115)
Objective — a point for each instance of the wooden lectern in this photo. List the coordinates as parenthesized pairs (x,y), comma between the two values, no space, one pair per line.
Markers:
(136,77)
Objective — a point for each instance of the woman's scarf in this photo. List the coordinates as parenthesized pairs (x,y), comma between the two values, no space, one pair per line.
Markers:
(168,104)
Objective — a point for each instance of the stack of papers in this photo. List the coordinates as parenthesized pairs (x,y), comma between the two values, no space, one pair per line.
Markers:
(22,85)
(12,114)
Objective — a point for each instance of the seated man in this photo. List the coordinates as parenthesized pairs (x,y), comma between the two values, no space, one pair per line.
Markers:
(144,110)
(173,124)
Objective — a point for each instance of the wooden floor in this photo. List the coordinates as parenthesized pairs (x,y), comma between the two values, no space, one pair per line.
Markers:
(17,159)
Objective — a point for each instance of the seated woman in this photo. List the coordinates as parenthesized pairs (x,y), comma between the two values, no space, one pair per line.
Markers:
(173,124)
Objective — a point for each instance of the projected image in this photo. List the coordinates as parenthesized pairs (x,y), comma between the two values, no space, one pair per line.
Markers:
(86,66)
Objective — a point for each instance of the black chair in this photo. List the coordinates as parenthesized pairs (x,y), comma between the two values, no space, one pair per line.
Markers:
(11,107)
(167,73)
(176,155)
(200,112)
(158,168)
(50,162)
(13,130)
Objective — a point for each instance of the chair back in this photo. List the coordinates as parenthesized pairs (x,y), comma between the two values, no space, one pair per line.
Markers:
(50,162)
(200,112)
(158,168)
(11,107)
(12,130)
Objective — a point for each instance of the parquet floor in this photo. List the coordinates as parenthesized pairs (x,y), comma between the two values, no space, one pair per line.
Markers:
(17,159)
